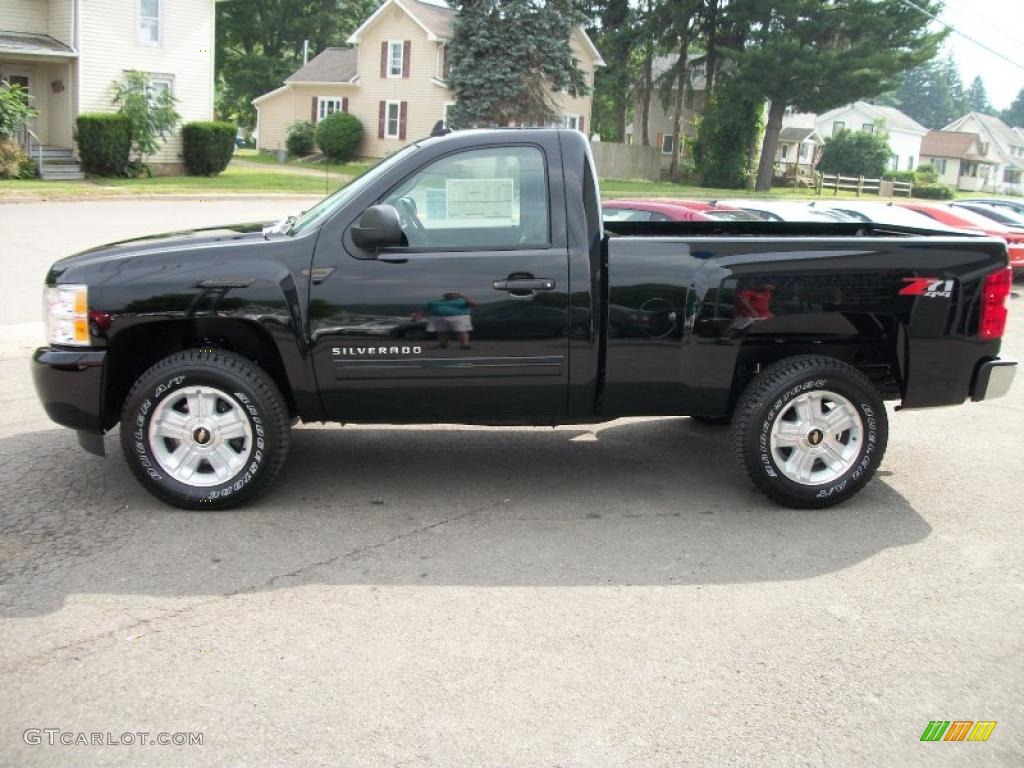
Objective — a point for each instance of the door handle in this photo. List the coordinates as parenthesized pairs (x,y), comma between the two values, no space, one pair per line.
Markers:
(523,284)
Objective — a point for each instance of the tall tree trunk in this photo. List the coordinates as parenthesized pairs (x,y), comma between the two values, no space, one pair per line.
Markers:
(621,109)
(682,80)
(646,88)
(766,168)
(711,56)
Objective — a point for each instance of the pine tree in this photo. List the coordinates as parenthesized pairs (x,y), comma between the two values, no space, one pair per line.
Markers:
(977,97)
(508,58)
(932,93)
(816,55)
(1014,114)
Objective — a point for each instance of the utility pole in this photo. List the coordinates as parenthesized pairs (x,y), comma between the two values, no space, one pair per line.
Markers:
(305,51)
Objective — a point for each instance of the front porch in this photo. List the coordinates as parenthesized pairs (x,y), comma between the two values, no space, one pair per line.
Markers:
(46,69)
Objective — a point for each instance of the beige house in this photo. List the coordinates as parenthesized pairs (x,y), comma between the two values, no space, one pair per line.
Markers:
(961,159)
(67,53)
(660,118)
(1002,145)
(393,79)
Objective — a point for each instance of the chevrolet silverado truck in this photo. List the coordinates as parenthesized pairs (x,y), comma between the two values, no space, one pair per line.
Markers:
(470,279)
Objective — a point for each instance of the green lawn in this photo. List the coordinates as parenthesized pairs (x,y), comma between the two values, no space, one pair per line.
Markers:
(262,174)
(353,168)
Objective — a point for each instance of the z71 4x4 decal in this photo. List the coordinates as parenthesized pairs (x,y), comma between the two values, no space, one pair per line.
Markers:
(927,286)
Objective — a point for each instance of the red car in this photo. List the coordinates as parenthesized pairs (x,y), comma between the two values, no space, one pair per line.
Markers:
(961,218)
(649,210)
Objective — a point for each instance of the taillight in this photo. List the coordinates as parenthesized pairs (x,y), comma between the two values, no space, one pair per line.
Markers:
(994,290)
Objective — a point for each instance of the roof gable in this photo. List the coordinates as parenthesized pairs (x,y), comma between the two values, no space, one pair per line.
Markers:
(892,117)
(331,65)
(958,144)
(434,20)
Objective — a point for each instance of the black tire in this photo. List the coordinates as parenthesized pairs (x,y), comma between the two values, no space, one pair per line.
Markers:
(249,389)
(768,398)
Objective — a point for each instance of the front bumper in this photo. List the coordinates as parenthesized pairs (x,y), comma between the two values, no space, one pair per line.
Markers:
(69,383)
(993,379)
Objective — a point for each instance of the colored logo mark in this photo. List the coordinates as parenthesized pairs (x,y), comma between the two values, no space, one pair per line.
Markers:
(958,730)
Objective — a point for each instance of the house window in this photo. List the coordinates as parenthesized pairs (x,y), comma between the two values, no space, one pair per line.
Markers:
(803,151)
(910,163)
(327,105)
(785,151)
(868,127)
(667,144)
(158,85)
(838,126)
(149,21)
(396,55)
(570,121)
(940,165)
(392,119)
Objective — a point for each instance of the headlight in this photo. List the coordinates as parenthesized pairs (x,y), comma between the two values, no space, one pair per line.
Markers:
(67,314)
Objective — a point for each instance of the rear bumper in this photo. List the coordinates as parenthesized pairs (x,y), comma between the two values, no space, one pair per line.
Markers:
(69,383)
(993,379)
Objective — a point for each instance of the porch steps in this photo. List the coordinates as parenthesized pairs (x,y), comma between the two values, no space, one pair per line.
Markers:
(59,164)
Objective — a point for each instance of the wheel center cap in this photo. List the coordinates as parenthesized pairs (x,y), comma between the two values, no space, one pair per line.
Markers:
(815,437)
(201,435)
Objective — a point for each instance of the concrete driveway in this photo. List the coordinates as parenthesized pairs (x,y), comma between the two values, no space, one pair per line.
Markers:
(458,596)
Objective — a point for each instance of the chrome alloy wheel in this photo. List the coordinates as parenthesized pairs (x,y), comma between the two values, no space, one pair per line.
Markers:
(200,436)
(817,437)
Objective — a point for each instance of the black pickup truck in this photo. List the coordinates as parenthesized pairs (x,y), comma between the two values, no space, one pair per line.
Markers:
(469,279)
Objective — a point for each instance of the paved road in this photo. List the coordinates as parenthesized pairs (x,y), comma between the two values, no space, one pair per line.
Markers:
(515,597)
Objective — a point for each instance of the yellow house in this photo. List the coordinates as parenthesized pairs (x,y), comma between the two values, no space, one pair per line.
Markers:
(68,52)
(393,79)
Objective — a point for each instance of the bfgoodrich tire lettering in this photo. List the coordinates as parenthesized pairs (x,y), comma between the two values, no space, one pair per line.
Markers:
(773,397)
(228,384)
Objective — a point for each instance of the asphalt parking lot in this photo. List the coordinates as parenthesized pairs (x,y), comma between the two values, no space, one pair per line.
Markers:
(458,596)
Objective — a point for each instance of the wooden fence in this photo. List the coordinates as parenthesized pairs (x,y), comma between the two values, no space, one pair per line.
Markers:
(626,161)
(834,182)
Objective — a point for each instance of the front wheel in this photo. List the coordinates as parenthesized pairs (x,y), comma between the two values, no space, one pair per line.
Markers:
(205,429)
(810,432)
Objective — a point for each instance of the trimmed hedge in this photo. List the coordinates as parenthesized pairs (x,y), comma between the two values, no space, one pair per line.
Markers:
(208,147)
(104,141)
(338,135)
(300,139)
(932,191)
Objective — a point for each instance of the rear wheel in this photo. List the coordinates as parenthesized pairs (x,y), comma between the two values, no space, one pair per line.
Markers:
(810,432)
(205,429)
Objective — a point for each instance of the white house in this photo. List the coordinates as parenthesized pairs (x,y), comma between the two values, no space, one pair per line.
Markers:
(962,159)
(67,53)
(905,133)
(1004,145)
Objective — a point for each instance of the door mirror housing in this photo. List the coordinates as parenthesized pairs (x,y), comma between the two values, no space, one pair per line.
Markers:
(378,227)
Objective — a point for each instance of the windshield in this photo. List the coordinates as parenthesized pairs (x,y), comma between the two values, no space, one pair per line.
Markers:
(329,205)
(882,213)
(976,219)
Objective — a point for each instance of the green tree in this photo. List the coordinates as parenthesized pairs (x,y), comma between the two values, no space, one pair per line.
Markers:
(615,33)
(1014,114)
(816,55)
(856,153)
(977,97)
(679,22)
(727,135)
(258,44)
(15,109)
(932,93)
(508,58)
(150,111)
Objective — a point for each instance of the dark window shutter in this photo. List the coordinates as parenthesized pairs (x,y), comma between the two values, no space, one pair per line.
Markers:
(661,140)
(384,59)
(581,125)
(446,67)
(406,50)
(312,111)
(401,119)
(344,103)
(380,120)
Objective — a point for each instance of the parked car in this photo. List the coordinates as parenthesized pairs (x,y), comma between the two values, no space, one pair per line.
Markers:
(718,211)
(961,218)
(997,202)
(649,210)
(880,213)
(1000,214)
(206,346)
(785,210)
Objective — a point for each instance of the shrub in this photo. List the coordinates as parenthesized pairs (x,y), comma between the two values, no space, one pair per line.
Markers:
(11,158)
(151,112)
(932,191)
(15,110)
(104,142)
(927,174)
(338,135)
(856,153)
(300,138)
(899,176)
(208,147)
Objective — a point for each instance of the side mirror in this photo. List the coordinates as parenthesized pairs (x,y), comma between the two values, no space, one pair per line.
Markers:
(378,227)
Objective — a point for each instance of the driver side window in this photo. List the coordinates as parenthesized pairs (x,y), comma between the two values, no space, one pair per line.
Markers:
(482,198)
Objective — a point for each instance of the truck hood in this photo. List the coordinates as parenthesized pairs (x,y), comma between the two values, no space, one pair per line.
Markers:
(178,242)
